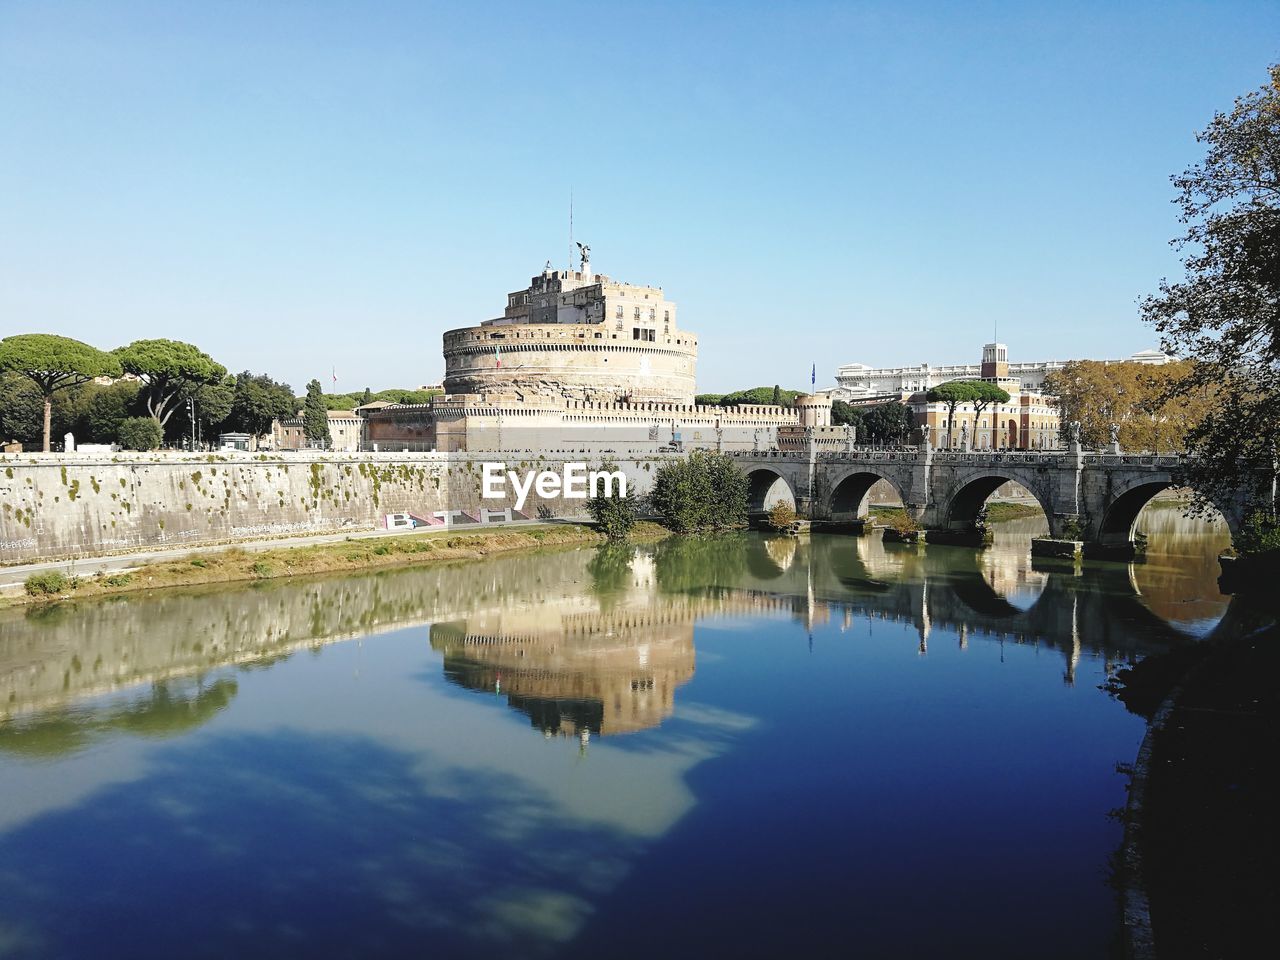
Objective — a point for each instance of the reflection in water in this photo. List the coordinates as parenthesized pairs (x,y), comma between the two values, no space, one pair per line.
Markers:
(212,771)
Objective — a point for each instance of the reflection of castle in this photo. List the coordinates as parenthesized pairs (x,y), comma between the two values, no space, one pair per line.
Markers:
(602,674)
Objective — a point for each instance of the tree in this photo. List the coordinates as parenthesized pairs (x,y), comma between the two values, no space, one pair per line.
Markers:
(844,413)
(213,404)
(54,363)
(704,491)
(614,513)
(952,393)
(888,422)
(1225,312)
(140,433)
(21,410)
(366,397)
(1145,402)
(986,394)
(315,417)
(758,395)
(257,401)
(106,408)
(169,369)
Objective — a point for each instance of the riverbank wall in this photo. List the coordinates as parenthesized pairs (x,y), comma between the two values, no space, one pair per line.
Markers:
(55,506)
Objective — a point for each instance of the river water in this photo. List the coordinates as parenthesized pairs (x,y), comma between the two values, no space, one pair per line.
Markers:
(740,746)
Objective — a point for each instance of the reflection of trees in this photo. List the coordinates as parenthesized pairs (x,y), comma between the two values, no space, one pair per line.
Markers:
(610,570)
(170,709)
(692,564)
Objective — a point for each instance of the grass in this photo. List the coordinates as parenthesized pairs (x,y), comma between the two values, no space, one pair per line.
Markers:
(236,564)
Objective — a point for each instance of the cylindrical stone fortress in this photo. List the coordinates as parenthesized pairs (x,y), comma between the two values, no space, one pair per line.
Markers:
(575,336)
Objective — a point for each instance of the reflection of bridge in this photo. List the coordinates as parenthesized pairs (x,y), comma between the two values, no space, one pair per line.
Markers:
(582,640)
(944,490)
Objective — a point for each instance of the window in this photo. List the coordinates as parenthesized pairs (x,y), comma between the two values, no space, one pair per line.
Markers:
(618,312)
(666,316)
(653,315)
(635,333)
(637,316)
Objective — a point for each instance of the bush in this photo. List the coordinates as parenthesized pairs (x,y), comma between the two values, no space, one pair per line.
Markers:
(704,491)
(615,515)
(782,516)
(1072,529)
(1259,534)
(119,580)
(901,522)
(140,433)
(261,568)
(45,584)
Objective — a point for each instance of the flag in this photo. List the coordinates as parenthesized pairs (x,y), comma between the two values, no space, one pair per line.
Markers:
(497,356)
(813,376)
(333,372)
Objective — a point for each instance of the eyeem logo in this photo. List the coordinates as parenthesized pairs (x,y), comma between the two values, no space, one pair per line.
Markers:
(575,483)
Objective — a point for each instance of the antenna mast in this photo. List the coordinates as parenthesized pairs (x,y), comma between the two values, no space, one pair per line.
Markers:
(570,268)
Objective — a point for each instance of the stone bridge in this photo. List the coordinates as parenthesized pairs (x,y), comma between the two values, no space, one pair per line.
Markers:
(1098,494)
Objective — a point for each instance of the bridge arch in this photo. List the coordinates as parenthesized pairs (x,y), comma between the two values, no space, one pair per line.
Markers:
(767,487)
(1121,513)
(961,508)
(850,491)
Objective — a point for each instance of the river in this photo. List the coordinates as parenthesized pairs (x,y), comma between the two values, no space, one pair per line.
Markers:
(739,746)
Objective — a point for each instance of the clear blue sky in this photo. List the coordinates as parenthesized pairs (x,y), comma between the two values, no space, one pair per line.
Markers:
(296,186)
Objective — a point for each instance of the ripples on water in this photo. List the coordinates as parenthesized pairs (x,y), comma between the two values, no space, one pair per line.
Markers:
(741,746)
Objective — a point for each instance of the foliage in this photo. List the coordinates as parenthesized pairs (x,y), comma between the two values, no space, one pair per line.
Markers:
(213,405)
(899,521)
(315,417)
(257,401)
(21,410)
(1071,528)
(781,516)
(704,491)
(882,423)
(1225,312)
(54,363)
(169,369)
(140,433)
(1260,533)
(1145,402)
(614,514)
(843,412)
(104,409)
(708,399)
(349,401)
(955,393)
(610,571)
(46,584)
(758,395)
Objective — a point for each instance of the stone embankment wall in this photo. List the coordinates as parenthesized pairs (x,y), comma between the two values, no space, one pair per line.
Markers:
(55,506)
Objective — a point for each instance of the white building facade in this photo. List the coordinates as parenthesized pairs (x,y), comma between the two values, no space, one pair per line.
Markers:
(857,381)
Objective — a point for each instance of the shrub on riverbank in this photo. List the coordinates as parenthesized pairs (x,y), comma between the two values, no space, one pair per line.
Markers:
(704,491)
(46,584)
(782,516)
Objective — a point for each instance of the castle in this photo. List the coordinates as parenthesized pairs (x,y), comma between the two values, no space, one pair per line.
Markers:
(577,362)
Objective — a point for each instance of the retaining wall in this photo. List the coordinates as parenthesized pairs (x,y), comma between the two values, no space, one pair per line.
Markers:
(57,506)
